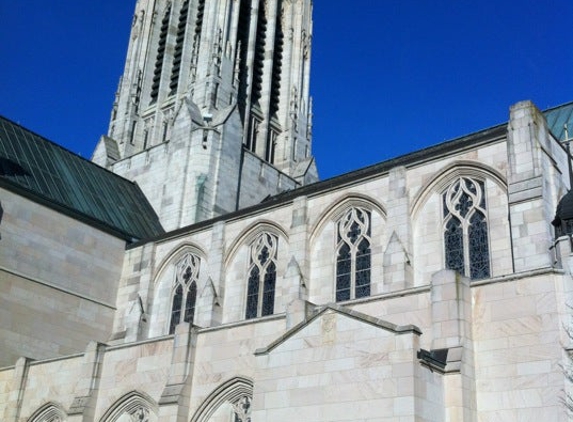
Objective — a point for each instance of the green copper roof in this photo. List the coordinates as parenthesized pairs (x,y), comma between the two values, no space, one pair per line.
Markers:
(558,117)
(44,171)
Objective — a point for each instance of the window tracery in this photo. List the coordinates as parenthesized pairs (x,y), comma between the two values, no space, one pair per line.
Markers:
(185,291)
(262,277)
(353,260)
(141,414)
(466,240)
(242,410)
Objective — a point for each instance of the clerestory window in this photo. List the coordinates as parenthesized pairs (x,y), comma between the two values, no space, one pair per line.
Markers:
(466,241)
(353,259)
(262,277)
(185,291)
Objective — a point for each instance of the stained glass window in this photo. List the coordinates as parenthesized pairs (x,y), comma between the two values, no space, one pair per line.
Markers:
(242,410)
(262,277)
(184,291)
(466,241)
(353,260)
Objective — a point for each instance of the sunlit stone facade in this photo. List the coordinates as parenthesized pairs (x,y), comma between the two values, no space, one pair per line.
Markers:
(430,287)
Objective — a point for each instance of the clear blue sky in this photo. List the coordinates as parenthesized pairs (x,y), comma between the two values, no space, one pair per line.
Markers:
(388,76)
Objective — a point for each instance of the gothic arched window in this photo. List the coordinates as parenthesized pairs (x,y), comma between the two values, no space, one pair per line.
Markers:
(48,413)
(353,259)
(466,241)
(184,291)
(262,277)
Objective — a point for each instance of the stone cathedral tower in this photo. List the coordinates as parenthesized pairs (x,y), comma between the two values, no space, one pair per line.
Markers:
(213,111)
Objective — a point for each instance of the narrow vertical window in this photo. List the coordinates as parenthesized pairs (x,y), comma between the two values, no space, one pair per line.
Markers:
(353,255)
(160,55)
(466,241)
(262,277)
(271,145)
(251,141)
(178,51)
(184,291)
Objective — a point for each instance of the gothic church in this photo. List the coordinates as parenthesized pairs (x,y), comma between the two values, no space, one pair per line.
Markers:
(196,270)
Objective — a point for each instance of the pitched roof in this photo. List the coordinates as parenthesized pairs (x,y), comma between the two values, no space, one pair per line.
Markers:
(44,171)
(558,117)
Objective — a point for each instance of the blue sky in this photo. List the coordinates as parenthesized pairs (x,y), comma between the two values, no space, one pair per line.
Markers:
(388,76)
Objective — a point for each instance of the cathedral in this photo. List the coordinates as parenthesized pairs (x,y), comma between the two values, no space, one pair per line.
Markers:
(196,269)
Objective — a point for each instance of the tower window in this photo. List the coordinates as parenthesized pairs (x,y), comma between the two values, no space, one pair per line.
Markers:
(184,291)
(262,277)
(271,145)
(160,56)
(251,141)
(466,241)
(353,260)
(178,52)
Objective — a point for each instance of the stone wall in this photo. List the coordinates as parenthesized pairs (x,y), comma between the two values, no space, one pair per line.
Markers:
(58,281)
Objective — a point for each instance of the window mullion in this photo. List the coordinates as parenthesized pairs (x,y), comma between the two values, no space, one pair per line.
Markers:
(261,292)
(353,271)
(466,240)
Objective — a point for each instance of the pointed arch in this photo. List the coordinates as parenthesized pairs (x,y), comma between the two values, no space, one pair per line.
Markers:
(462,195)
(261,276)
(184,290)
(177,254)
(353,254)
(341,207)
(49,412)
(178,284)
(447,175)
(133,403)
(248,236)
(465,227)
(236,391)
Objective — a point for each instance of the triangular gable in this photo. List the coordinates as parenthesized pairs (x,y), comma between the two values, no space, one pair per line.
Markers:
(350,313)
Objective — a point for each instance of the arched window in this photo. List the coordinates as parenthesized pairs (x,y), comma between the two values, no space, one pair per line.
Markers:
(262,277)
(48,413)
(353,259)
(132,407)
(466,241)
(185,291)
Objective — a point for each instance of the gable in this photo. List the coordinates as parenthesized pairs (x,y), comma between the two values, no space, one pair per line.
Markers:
(324,325)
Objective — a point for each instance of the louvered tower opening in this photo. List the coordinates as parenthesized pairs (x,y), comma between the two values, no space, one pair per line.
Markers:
(277,65)
(274,127)
(242,50)
(160,56)
(198,29)
(178,52)
(258,63)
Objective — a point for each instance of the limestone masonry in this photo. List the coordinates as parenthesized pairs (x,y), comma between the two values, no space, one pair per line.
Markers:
(197,271)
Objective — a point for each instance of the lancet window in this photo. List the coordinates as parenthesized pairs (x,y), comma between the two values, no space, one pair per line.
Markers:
(262,276)
(466,239)
(353,259)
(185,291)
